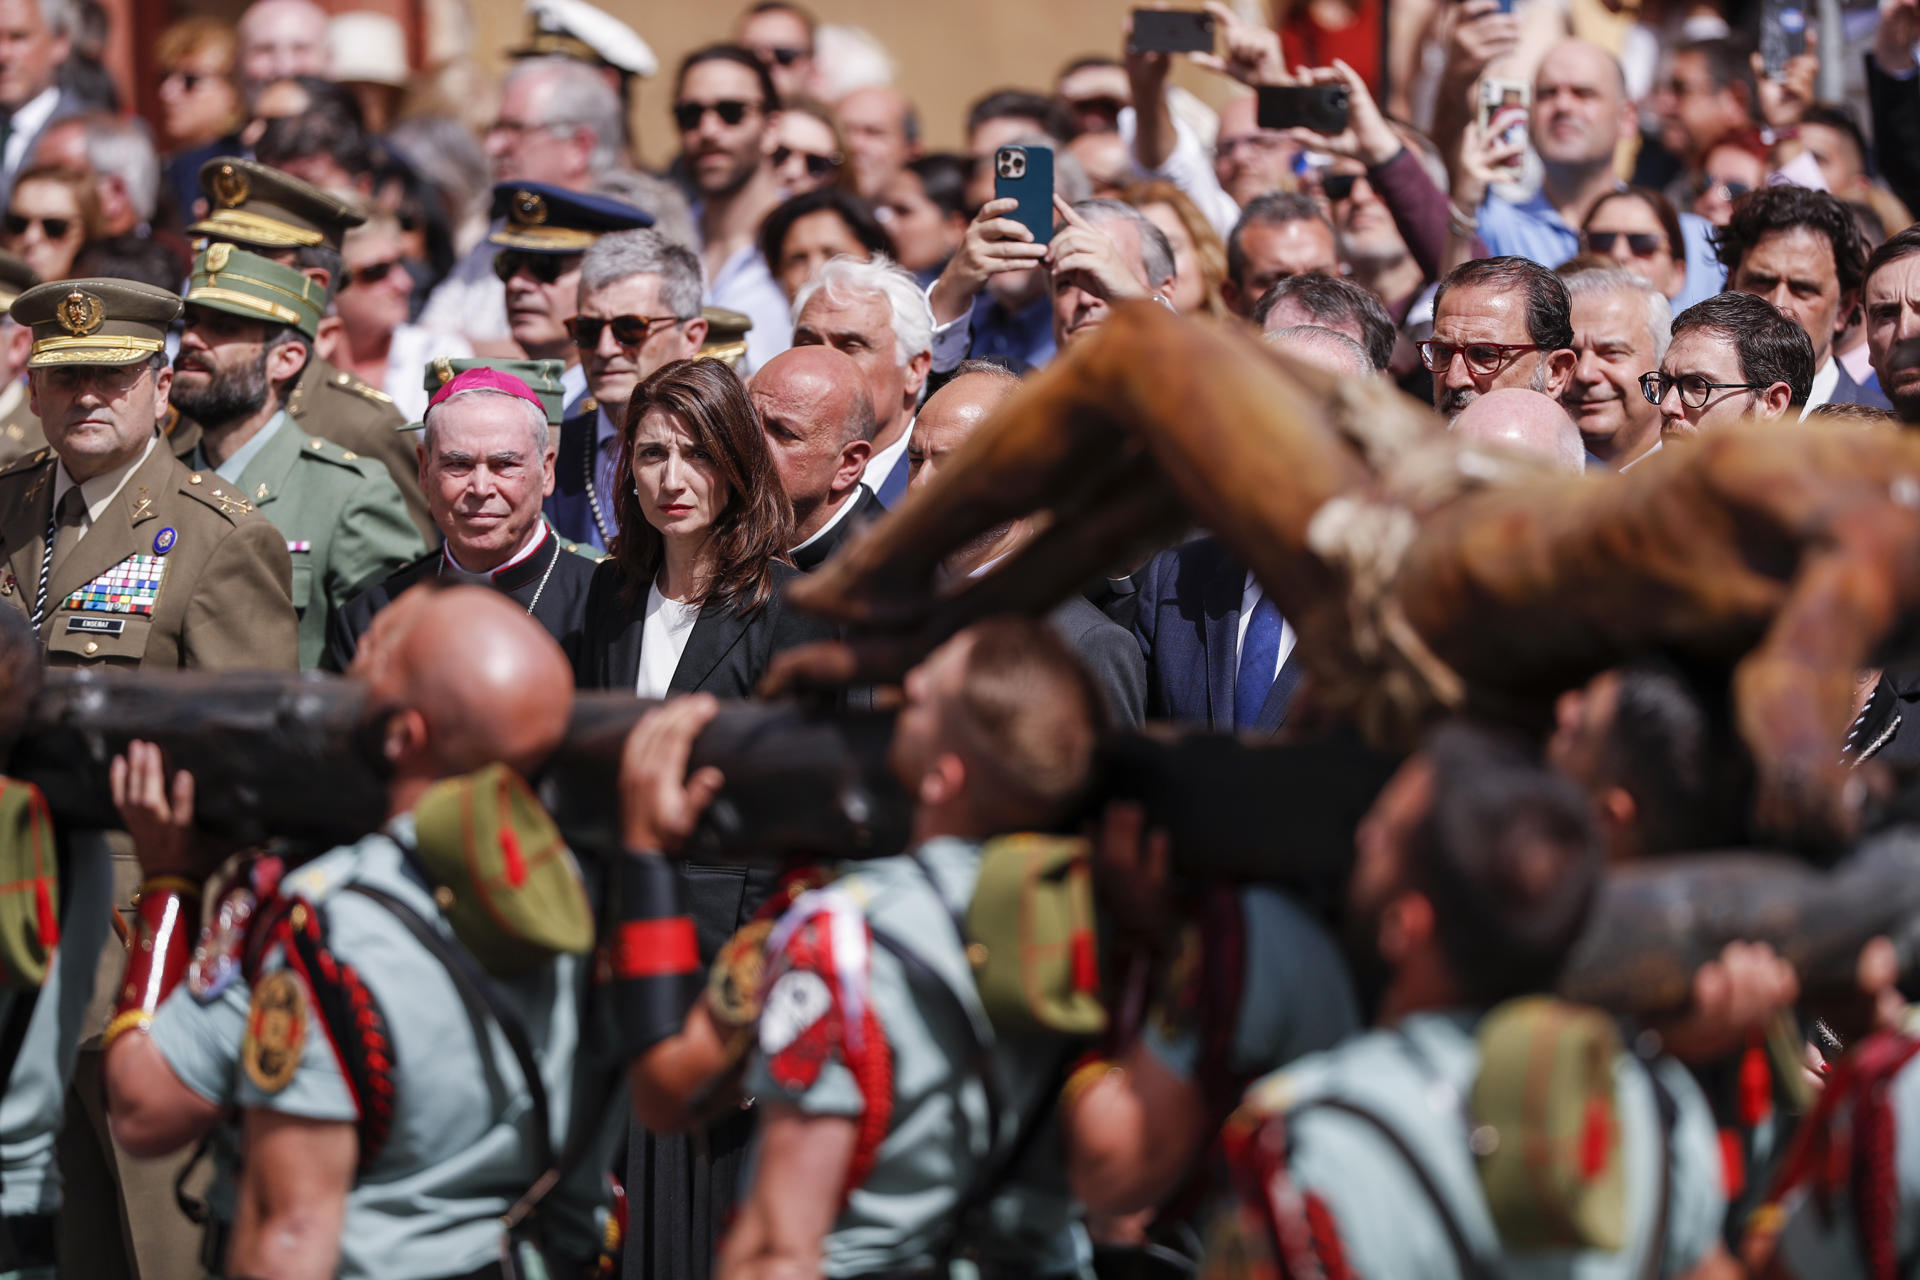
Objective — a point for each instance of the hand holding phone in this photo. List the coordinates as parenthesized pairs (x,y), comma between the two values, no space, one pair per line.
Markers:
(1323,108)
(1171,31)
(1026,174)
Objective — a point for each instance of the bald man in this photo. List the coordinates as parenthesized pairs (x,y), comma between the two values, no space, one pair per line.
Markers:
(944,425)
(464,678)
(1526,422)
(818,416)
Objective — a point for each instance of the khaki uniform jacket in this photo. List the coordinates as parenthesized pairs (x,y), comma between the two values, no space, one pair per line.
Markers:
(222,598)
(346,525)
(333,404)
(20,432)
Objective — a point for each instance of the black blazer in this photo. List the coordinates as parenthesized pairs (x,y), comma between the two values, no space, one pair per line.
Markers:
(725,656)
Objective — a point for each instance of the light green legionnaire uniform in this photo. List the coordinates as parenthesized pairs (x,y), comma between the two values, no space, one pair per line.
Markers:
(1416,1078)
(850,1029)
(169,567)
(272,213)
(345,523)
(460,1148)
(20,432)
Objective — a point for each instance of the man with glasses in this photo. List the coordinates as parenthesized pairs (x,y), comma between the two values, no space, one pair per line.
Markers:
(116,552)
(558,125)
(781,36)
(1498,322)
(638,308)
(1732,357)
(1802,251)
(543,231)
(1707,94)
(725,106)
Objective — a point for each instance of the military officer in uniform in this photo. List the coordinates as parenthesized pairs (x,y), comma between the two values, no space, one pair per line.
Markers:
(115,551)
(300,226)
(20,432)
(486,501)
(249,328)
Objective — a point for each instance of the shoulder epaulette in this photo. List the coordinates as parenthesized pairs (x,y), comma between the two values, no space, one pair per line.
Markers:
(320,447)
(214,492)
(27,462)
(347,382)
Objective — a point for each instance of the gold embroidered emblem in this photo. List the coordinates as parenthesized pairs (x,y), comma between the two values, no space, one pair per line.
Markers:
(142,505)
(276,1032)
(217,255)
(230,186)
(443,369)
(530,207)
(80,313)
(230,505)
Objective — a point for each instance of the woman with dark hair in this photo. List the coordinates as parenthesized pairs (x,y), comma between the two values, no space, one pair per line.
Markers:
(1638,229)
(924,209)
(51,214)
(804,232)
(689,600)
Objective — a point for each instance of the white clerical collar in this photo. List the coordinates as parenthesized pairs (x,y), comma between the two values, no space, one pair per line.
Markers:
(1826,379)
(453,568)
(840,513)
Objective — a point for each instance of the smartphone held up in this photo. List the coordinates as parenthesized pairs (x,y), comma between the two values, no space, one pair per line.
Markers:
(1171,31)
(1025,174)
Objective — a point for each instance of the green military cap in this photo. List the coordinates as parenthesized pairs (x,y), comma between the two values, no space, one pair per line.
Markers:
(258,206)
(246,284)
(95,321)
(501,872)
(16,277)
(541,376)
(726,336)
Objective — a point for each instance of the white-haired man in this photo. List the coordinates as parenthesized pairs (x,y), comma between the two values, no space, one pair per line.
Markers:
(876,314)
(639,310)
(1621,328)
(486,463)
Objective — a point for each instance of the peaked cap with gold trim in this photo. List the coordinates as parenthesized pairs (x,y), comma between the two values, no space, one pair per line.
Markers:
(252,204)
(246,284)
(95,321)
(538,217)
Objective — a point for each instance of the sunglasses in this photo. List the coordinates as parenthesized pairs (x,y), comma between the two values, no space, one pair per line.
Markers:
(784,56)
(52,228)
(544,267)
(628,331)
(372,273)
(688,115)
(1104,105)
(1733,188)
(1338,186)
(1642,244)
(189,80)
(818,166)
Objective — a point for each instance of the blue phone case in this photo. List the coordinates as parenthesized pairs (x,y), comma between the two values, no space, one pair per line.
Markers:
(1028,179)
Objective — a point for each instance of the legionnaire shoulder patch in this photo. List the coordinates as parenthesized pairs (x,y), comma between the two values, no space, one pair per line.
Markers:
(276,1031)
(799,1028)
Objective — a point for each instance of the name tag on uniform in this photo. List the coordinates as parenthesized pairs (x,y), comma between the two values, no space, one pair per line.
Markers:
(96,626)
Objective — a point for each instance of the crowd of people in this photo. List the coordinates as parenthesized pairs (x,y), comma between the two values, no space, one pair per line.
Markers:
(322,371)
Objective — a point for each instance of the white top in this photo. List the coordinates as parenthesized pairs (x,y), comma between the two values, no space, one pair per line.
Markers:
(1250,595)
(880,462)
(840,513)
(1826,380)
(27,122)
(99,491)
(409,351)
(663,638)
(472,300)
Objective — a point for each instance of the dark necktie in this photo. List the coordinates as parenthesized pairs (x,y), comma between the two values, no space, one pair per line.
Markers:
(63,530)
(1259,655)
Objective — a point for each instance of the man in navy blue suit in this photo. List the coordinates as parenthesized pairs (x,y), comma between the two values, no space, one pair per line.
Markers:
(1219,654)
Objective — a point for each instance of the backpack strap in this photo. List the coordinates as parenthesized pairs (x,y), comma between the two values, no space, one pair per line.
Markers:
(1652,1267)
(479,994)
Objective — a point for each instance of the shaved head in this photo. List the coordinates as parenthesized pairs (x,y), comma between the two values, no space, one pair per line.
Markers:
(945,424)
(477,678)
(1526,422)
(818,417)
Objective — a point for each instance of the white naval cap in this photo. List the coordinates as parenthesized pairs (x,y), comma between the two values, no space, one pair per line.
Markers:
(576,29)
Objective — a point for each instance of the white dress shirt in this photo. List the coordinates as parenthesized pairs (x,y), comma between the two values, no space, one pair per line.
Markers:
(101,489)
(1250,596)
(663,638)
